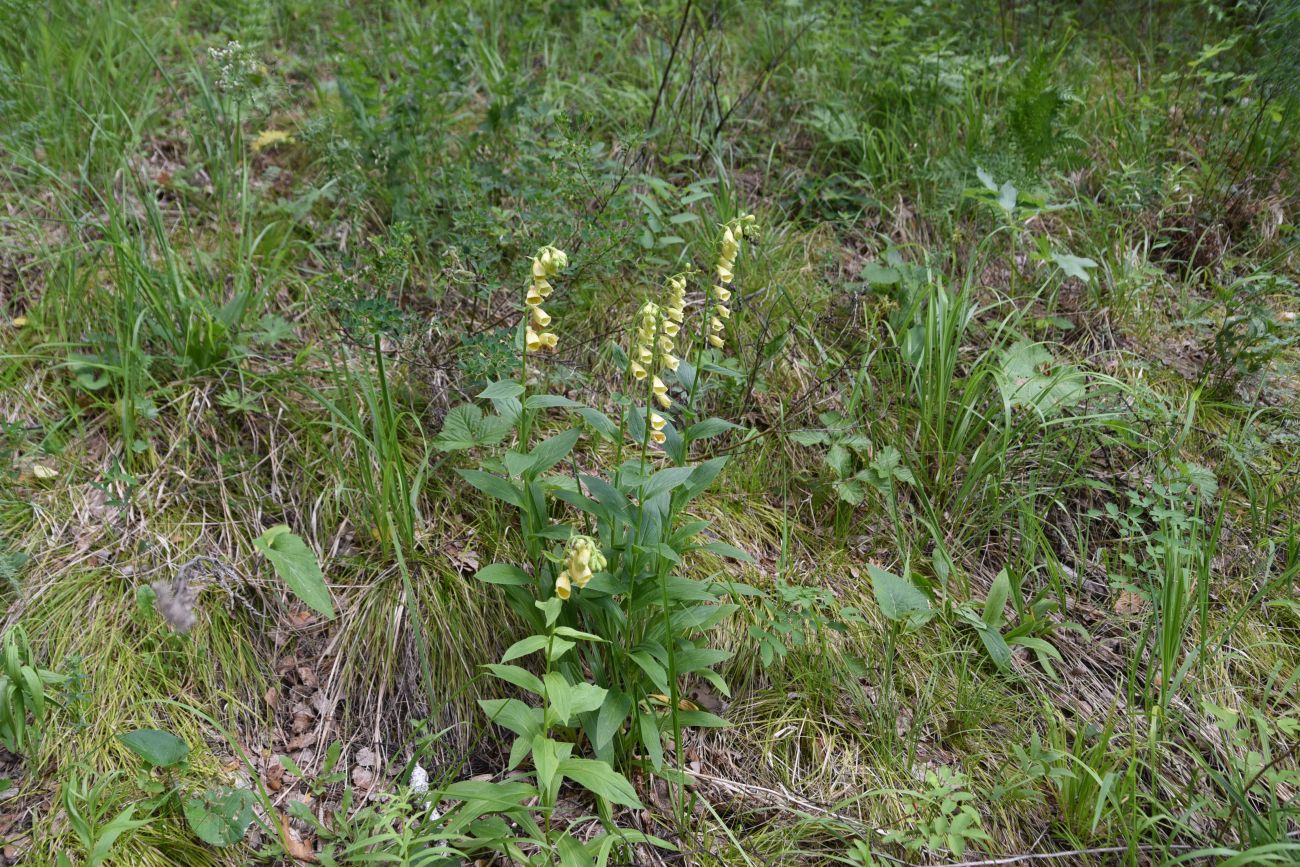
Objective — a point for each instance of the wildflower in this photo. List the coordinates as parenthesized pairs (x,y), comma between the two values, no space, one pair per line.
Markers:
(270,138)
(676,302)
(583,558)
(727,251)
(548,262)
(661,392)
(644,340)
(657,423)
(744,226)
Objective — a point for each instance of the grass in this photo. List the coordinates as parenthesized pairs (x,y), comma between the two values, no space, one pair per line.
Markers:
(1020,319)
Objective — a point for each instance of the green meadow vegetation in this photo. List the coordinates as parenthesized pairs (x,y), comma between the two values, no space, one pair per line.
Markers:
(668,432)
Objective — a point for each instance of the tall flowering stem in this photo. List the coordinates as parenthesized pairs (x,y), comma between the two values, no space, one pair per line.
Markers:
(718,296)
(548,262)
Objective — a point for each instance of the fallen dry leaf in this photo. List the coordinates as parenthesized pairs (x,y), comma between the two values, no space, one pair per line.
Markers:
(1129,602)
(299,850)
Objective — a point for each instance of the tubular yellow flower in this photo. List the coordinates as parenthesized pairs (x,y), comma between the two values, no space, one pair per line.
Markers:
(548,262)
(563,588)
(664,400)
(582,560)
(730,246)
(725,274)
(658,437)
(659,387)
(715,324)
(638,371)
(657,421)
(716,342)
(722,293)
(671,361)
(722,311)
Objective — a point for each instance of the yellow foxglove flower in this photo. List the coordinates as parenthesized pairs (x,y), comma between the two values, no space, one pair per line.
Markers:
(658,387)
(658,437)
(548,339)
(638,371)
(534,297)
(665,343)
(671,361)
(671,328)
(531,340)
(722,293)
(657,421)
(722,311)
(541,317)
(715,324)
(725,274)
(563,588)
(664,400)
(729,244)
(542,287)
(716,342)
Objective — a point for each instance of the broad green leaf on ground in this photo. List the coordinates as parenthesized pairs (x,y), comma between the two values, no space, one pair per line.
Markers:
(466,427)
(1029,377)
(160,749)
(1075,266)
(220,816)
(296,566)
(898,598)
